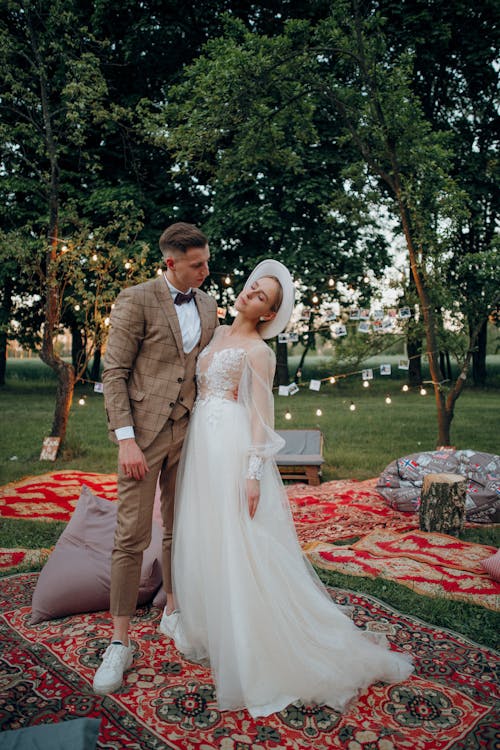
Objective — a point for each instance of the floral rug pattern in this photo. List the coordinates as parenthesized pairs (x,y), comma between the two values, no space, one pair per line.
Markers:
(167,702)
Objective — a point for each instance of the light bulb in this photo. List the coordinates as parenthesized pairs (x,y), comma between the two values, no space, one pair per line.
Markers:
(94,257)
(423,392)
(288,415)
(128,264)
(330,282)
(77,307)
(332,381)
(315,299)
(318,412)
(388,400)
(352,407)
(81,401)
(159,272)
(64,249)
(366,384)
(106,321)
(227,280)
(405,388)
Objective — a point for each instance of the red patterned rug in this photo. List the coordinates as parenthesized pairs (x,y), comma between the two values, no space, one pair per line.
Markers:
(343,509)
(52,496)
(169,703)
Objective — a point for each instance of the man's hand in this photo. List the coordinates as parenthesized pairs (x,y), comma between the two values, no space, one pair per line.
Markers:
(131,459)
(253,495)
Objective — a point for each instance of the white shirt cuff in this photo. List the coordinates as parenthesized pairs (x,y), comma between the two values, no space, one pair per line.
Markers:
(124,433)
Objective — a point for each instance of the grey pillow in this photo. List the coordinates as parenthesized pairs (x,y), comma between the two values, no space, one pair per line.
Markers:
(76,577)
(77,734)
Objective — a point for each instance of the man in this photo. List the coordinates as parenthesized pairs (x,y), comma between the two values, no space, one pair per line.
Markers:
(157,330)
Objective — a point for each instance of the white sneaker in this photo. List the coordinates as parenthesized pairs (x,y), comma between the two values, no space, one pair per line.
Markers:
(170,625)
(116,659)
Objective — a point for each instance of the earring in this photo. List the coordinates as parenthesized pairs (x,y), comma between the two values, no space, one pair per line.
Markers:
(263,319)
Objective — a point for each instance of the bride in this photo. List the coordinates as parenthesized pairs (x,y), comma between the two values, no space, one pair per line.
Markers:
(248,601)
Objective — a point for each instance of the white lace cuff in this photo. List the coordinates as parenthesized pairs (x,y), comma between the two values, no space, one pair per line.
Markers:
(255,467)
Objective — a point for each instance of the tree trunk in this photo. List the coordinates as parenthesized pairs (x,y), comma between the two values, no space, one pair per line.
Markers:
(414,350)
(95,373)
(5,312)
(64,371)
(442,503)
(479,356)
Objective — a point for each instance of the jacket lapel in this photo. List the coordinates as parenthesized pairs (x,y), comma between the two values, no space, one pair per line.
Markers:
(168,309)
(203,311)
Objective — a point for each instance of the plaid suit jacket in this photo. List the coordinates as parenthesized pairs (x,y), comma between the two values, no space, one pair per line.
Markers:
(144,363)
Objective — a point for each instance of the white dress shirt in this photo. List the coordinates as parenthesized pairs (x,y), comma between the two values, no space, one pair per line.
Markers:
(190,325)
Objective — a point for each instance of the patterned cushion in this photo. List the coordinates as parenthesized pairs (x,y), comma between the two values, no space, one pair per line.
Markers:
(492,565)
(401,481)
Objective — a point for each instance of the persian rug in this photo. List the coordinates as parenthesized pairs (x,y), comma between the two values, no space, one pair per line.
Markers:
(52,496)
(342,509)
(166,702)
(15,556)
(428,578)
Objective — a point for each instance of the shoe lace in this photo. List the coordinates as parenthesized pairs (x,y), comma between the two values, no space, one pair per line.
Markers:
(114,655)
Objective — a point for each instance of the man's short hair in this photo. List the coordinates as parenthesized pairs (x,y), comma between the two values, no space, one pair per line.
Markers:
(180,237)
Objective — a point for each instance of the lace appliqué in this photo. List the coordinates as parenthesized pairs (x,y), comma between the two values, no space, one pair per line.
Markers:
(255,467)
(218,375)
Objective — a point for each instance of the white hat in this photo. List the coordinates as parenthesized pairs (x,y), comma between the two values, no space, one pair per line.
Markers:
(274,268)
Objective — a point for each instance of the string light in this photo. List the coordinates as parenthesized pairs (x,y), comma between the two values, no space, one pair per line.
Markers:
(81,401)
(106,321)
(423,392)
(227,280)
(388,399)
(319,413)
(77,307)
(332,380)
(331,282)
(352,406)
(94,257)
(315,299)
(405,388)
(159,272)
(366,383)
(64,249)
(128,264)
(288,414)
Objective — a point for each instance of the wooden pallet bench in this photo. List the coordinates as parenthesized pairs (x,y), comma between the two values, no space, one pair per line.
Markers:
(301,458)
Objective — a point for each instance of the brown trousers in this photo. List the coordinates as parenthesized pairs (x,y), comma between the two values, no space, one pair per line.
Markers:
(135,514)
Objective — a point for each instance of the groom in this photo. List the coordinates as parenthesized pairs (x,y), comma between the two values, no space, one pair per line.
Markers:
(157,330)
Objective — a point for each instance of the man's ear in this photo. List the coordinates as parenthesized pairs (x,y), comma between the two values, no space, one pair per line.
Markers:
(169,262)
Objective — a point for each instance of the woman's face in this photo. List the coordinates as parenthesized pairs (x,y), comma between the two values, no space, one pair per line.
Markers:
(256,300)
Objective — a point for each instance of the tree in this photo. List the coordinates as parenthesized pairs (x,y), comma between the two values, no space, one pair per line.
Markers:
(251,99)
(455,76)
(52,108)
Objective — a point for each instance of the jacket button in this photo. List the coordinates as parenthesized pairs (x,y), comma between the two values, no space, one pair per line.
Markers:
(181,398)
(172,404)
(180,380)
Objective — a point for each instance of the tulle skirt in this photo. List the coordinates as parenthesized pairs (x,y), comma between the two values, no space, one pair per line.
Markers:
(250,603)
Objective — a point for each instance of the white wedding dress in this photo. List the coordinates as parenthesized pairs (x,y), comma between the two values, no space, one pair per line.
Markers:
(249,601)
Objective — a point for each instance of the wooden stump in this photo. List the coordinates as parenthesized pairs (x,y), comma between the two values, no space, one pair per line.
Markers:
(442,503)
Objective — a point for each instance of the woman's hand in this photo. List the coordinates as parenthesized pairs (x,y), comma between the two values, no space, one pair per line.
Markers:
(253,495)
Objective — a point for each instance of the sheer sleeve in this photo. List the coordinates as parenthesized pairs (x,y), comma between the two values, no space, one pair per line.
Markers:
(256,395)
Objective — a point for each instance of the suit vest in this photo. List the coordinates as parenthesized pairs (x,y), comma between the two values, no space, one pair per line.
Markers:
(187,393)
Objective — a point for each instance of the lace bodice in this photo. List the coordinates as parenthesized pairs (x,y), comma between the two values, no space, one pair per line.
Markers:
(218,372)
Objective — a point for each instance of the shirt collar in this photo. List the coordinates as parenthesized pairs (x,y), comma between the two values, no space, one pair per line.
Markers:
(173,290)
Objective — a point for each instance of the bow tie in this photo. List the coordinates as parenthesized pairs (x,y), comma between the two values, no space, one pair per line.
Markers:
(181,298)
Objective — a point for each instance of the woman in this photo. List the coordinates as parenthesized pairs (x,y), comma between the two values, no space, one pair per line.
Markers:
(249,602)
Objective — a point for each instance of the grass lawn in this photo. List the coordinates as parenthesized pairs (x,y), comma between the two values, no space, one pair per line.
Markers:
(358,445)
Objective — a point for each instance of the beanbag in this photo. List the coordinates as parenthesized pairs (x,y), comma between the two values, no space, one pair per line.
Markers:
(76,577)
(401,481)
